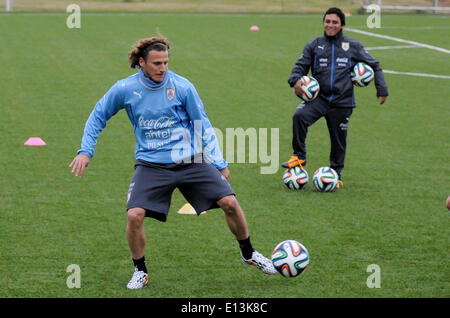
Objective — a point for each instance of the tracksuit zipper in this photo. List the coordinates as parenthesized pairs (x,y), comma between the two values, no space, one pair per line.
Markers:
(332,72)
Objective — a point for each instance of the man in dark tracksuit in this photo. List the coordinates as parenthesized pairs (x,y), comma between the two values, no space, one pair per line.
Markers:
(330,58)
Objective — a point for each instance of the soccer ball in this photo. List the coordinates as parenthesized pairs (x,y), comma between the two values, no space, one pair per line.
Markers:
(362,74)
(295,178)
(325,179)
(290,258)
(310,87)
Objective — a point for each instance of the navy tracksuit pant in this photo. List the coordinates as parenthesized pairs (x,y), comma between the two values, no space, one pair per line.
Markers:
(337,121)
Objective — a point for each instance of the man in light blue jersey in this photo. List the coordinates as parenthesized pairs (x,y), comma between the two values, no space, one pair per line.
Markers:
(169,120)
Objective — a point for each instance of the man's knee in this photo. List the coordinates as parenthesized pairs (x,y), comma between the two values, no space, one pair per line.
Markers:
(229,204)
(136,216)
(300,116)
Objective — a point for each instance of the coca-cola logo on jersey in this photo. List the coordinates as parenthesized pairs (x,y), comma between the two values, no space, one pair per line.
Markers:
(162,122)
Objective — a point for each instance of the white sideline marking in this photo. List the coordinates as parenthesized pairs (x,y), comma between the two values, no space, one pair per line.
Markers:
(405,27)
(418,28)
(392,47)
(416,74)
(415,28)
(431,47)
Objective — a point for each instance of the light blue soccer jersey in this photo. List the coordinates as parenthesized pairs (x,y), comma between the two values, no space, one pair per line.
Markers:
(169,120)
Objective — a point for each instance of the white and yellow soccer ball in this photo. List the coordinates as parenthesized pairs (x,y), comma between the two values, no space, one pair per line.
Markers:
(310,87)
(295,178)
(325,179)
(362,74)
(290,258)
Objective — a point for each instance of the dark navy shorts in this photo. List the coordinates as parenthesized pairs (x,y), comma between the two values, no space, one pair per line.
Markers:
(152,186)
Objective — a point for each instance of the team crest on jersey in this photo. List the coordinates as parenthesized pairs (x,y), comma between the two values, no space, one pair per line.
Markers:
(345,46)
(170,93)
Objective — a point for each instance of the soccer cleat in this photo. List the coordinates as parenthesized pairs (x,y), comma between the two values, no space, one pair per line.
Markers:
(260,262)
(139,280)
(340,184)
(293,162)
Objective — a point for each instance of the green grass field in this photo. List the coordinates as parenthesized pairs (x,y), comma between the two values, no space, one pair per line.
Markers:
(391,212)
(230,6)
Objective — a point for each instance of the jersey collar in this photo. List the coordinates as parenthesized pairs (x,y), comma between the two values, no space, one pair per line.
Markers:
(148,83)
(336,37)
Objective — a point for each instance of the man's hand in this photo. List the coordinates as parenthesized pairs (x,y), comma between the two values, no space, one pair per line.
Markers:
(298,88)
(226,173)
(78,164)
(382,99)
